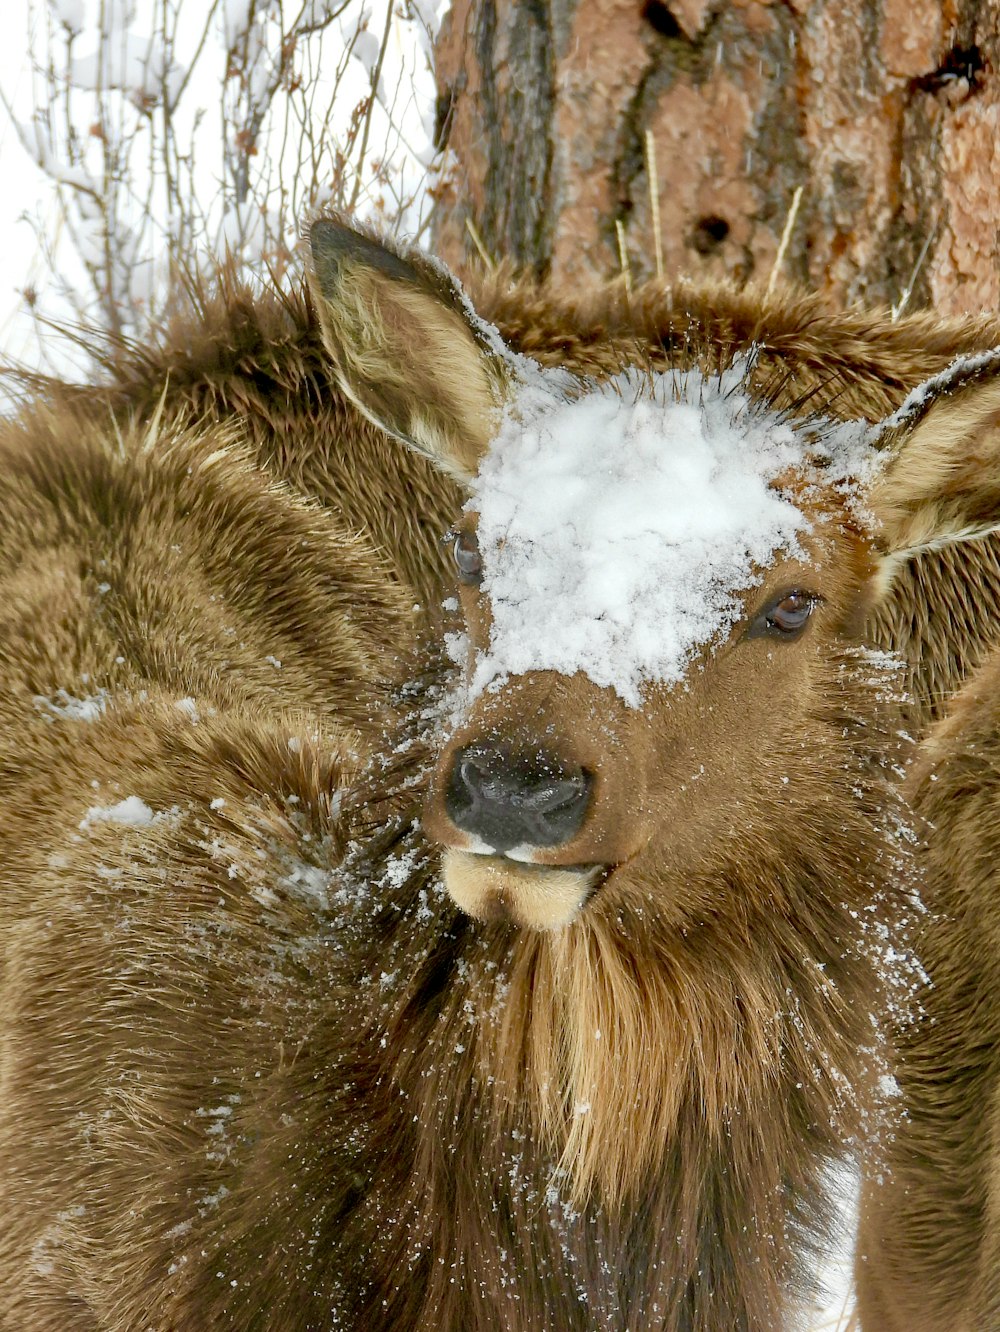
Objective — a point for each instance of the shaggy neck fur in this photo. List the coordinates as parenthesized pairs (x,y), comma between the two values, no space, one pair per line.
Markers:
(623,1104)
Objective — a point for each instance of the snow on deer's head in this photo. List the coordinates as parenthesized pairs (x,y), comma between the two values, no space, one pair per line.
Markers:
(662,582)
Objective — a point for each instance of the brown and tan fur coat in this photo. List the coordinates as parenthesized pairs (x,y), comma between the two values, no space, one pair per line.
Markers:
(929,1244)
(258,357)
(257,1070)
(928,1256)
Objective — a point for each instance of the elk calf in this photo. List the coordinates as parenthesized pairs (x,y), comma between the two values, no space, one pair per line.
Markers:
(548,1020)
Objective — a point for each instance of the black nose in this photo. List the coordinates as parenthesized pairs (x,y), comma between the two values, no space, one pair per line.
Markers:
(516,800)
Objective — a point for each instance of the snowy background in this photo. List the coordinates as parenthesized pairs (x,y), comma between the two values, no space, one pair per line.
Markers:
(142,137)
(22,183)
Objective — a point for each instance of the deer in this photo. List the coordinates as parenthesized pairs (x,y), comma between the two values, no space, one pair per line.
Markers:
(531,978)
(928,1244)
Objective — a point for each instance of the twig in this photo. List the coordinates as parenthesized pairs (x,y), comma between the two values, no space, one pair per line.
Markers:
(900,305)
(35,151)
(653,181)
(182,86)
(623,257)
(376,76)
(121,172)
(477,241)
(786,236)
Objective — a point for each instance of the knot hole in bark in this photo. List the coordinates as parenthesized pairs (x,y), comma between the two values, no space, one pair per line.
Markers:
(660,19)
(709,233)
(961,62)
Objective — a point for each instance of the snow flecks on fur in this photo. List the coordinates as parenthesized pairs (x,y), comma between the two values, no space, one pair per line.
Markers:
(619,524)
(63,706)
(309,883)
(132,812)
(931,389)
(190,710)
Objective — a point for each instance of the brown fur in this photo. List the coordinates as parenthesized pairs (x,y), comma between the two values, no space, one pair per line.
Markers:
(258,1070)
(258,358)
(929,1243)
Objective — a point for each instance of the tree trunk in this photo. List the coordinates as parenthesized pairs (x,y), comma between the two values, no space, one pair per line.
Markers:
(867,130)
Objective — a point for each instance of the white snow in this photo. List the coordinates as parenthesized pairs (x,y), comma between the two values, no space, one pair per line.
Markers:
(190,709)
(236,17)
(833,1310)
(938,385)
(365,49)
(67,707)
(308,883)
(70,13)
(619,525)
(132,812)
(136,64)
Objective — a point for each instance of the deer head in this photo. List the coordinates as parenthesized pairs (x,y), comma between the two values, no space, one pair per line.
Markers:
(661,580)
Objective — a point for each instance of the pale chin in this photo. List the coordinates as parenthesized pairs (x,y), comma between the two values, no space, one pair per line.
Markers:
(537,897)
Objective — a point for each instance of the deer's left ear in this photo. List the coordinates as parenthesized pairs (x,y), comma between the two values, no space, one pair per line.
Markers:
(941,484)
(406,346)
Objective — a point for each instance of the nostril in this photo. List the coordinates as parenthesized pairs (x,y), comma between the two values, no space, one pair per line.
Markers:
(476,784)
(550,797)
(470,776)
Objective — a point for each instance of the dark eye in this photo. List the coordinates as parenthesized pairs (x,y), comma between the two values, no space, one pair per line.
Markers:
(468,561)
(785,617)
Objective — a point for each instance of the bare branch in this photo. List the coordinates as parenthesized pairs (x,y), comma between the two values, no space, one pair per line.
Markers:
(136,204)
(376,76)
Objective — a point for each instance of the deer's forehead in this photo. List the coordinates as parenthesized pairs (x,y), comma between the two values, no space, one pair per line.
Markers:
(620,527)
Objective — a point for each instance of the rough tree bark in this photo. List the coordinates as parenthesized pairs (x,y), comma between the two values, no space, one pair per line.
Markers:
(885,113)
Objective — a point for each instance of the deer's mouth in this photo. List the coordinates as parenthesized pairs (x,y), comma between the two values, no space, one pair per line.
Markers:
(489,886)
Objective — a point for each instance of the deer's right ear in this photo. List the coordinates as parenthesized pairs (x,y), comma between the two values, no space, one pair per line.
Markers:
(406,347)
(941,483)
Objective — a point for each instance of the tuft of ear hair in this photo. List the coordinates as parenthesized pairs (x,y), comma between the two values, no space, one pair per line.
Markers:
(407,348)
(941,485)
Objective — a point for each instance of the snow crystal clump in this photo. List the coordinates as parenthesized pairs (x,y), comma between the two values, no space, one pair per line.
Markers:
(618,527)
(309,884)
(132,812)
(190,709)
(66,707)
(140,66)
